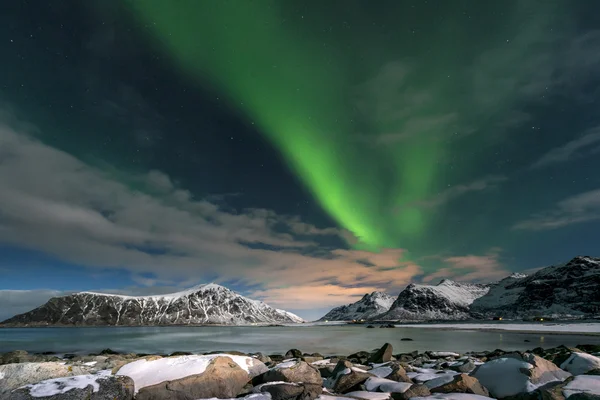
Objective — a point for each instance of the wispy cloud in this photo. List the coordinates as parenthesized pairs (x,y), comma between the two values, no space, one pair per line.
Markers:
(456,191)
(55,203)
(583,207)
(572,150)
(471,268)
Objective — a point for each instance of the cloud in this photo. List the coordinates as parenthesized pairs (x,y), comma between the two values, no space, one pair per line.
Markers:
(148,225)
(571,150)
(583,207)
(471,268)
(456,191)
(13,302)
(486,92)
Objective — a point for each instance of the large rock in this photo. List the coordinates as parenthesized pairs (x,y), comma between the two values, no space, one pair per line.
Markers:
(416,390)
(293,353)
(290,391)
(13,376)
(384,354)
(222,378)
(516,373)
(345,378)
(580,363)
(398,373)
(462,383)
(81,387)
(291,371)
(582,386)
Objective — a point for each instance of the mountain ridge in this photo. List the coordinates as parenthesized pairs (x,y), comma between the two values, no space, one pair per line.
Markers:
(202,304)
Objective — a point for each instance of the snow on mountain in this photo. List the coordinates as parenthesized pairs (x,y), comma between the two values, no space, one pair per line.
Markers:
(569,289)
(447,300)
(204,304)
(370,305)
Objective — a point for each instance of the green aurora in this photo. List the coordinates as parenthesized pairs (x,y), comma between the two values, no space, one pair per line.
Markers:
(327,97)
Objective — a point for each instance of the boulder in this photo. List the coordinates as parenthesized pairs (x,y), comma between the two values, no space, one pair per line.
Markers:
(293,353)
(292,371)
(290,391)
(589,348)
(360,356)
(17,375)
(311,359)
(222,378)
(462,383)
(398,373)
(345,378)
(415,390)
(384,354)
(262,358)
(583,385)
(517,373)
(81,387)
(580,363)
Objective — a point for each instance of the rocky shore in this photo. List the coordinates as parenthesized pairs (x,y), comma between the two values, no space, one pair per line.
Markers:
(380,374)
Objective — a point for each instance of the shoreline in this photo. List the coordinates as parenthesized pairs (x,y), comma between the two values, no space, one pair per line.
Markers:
(376,374)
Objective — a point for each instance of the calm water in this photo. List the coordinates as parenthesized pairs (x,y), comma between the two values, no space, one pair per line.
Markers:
(342,339)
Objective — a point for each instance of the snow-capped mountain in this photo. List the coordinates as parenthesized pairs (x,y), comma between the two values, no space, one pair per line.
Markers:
(370,305)
(569,289)
(204,304)
(447,300)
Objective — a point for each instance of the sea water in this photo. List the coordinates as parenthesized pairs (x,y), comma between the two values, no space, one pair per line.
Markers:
(333,339)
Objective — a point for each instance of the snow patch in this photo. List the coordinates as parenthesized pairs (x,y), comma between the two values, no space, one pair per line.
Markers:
(360,394)
(386,385)
(440,381)
(381,372)
(56,386)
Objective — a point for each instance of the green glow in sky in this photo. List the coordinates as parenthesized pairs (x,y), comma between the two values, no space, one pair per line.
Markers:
(323,96)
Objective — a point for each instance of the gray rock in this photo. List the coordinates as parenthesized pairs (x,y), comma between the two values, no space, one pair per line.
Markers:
(462,383)
(347,382)
(223,378)
(109,388)
(298,371)
(293,353)
(384,354)
(416,390)
(291,391)
(17,375)
(398,373)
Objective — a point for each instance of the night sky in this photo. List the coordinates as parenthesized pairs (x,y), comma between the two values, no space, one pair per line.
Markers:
(299,152)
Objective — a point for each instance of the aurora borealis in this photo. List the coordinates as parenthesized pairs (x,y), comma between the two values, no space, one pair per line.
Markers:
(294,147)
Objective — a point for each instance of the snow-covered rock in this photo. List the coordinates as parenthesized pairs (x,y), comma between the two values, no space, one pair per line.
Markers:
(583,384)
(101,385)
(13,376)
(376,384)
(580,363)
(568,289)
(204,304)
(447,300)
(369,306)
(151,372)
(515,374)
